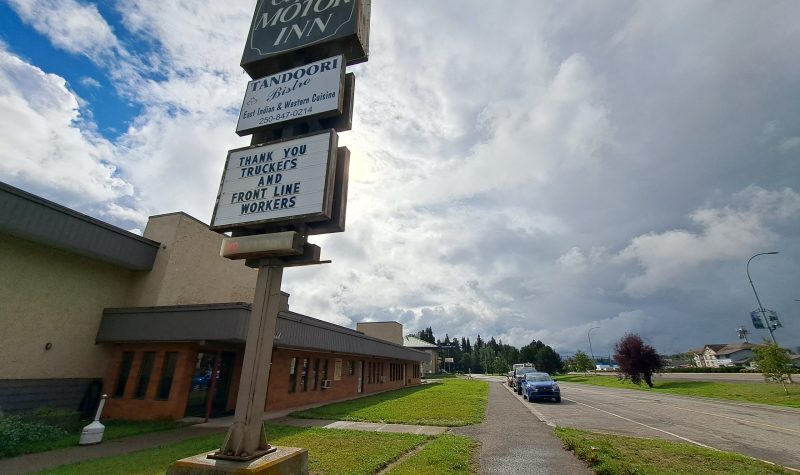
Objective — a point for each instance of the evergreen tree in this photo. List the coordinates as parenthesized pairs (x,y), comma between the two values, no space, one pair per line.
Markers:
(426,335)
(493,344)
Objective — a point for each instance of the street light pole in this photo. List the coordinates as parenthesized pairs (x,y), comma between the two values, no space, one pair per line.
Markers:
(761,307)
(591,352)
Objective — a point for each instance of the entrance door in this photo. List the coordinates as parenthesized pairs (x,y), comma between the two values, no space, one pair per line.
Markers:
(360,372)
(201,384)
(211,384)
(222,386)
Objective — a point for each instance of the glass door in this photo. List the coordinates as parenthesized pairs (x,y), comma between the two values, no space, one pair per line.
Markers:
(221,387)
(201,384)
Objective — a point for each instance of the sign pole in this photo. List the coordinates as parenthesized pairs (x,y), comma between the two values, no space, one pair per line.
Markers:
(246,439)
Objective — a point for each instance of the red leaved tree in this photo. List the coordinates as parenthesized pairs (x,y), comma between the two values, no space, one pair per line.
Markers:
(636,360)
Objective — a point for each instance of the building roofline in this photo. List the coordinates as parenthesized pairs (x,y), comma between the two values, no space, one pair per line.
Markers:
(33,218)
(179,213)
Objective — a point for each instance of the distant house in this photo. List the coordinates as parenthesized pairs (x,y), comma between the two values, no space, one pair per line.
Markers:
(393,332)
(717,355)
(415,343)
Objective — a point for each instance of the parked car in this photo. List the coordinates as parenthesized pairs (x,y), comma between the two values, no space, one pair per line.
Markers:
(540,386)
(519,377)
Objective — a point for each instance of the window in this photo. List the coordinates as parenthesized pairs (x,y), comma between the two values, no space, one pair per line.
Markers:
(304,376)
(148,358)
(351,367)
(316,374)
(337,370)
(124,372)
(292,374)
(167,373)
(325,369)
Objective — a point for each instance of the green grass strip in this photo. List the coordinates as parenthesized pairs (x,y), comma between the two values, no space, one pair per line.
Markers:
(330,451)
(613,454)
(449,402)
(763,393)
(446,455)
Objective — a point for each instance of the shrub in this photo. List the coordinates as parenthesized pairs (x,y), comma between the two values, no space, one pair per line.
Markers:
(48,416)
(15,432)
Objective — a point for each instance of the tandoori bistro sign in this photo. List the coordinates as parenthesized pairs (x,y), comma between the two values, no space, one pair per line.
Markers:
(320,28)
(314,89)
(288,181)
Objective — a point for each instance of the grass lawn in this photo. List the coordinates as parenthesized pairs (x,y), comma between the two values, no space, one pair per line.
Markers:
(330,452)
(114,430)
(612,454)
(763,393)
(446,455)
(448,402)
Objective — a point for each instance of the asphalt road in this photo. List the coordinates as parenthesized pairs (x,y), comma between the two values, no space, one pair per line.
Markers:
(764,432)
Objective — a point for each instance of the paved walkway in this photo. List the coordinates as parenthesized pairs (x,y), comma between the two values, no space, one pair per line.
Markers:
(513,440)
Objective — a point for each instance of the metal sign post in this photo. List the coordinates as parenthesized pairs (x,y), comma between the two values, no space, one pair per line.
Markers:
(245,439)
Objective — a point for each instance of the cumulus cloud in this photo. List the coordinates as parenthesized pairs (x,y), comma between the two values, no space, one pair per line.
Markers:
(46,146)
(723,233)
(70,25)
(90,82)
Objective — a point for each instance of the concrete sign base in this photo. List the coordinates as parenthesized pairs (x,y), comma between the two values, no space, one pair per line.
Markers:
(284,461)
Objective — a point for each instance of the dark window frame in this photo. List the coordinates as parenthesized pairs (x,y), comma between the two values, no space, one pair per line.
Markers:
(293,375)
(304,376)
(145,373)
(124,373)
(168,366)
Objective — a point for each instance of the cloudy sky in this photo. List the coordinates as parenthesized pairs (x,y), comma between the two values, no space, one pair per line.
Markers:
(521,170)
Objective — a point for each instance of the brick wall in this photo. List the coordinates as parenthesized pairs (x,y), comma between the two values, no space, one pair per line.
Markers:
(279,397)
(148,407)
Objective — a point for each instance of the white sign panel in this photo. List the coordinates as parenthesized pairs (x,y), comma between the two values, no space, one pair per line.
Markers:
(313,89)
(290,180)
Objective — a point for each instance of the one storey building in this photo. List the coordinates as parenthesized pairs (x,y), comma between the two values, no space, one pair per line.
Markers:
(157,322)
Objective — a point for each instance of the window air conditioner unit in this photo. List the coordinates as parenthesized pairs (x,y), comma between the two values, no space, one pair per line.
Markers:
(383,379)
(326,384)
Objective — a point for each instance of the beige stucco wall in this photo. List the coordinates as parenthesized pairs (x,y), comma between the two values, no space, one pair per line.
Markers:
(188,268)
(387,331)
(51,296)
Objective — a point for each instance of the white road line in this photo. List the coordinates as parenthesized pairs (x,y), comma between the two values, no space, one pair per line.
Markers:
(644,425)
(742,421)
(696,399)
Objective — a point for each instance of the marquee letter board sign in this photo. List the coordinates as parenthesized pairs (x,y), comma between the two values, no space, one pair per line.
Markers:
(313,90)
(289,181)
(284,33)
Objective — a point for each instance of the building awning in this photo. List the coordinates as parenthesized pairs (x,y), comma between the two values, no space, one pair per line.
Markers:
(228,322)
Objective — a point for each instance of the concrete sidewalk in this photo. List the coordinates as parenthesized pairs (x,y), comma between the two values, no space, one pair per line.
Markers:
(514,441)
(55,458)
